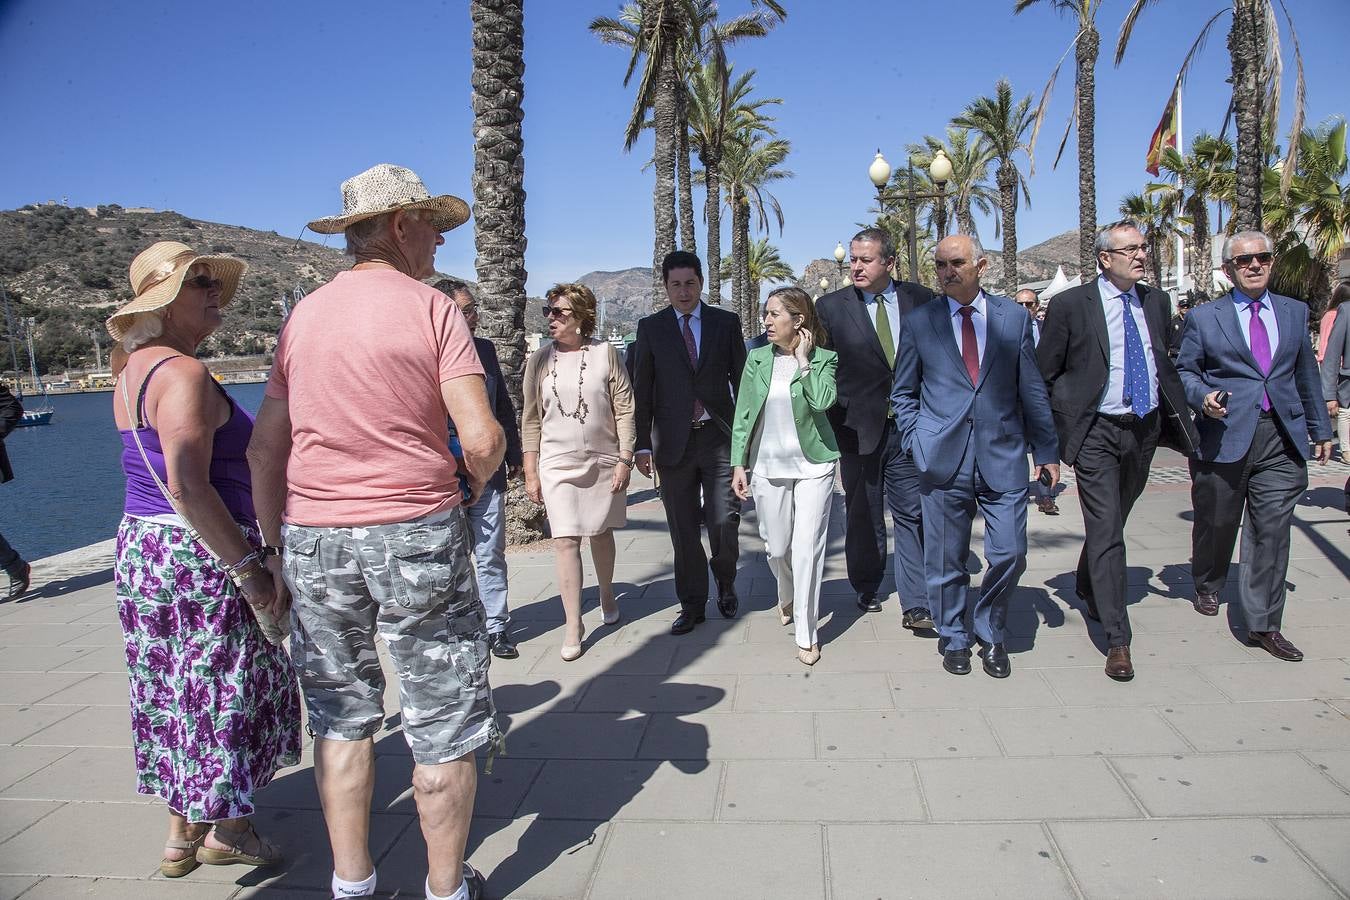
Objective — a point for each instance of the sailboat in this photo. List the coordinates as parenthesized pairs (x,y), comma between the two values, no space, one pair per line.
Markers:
(42,414)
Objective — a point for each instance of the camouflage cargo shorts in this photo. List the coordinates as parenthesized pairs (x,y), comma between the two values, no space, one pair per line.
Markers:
(414,583)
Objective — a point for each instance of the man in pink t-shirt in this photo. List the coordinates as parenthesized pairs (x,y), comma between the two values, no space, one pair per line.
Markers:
(350,452)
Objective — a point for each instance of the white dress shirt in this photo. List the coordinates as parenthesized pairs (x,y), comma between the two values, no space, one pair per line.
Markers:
(980,319)
(1112,401)
(887,296)
(1267,314)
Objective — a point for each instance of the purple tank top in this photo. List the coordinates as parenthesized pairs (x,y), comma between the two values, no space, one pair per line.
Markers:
(229,468)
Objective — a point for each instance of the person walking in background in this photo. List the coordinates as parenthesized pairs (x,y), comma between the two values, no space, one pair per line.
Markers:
(19,571)
(685,366)
(1334,357)
(969,399)
(577,432)
(1247,365)
(214,706)
(1114,391)
(487,512)
(782,436)
(1026,298)
(862,324)
(1328,320)
(350,450)
(1175,326)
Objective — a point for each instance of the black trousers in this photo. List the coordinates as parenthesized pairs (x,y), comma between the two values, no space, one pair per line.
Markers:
(696,493)
(873,481)
(10,560)
(1266,485)
(1111,471)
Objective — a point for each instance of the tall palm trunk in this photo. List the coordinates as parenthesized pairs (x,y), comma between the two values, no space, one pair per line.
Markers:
(1007,189)
(498,82)
(1085,53)
(664,114)
(1155,257)
(1246,48)
(686,189)
(1202,267)
(738,249)
(712,211)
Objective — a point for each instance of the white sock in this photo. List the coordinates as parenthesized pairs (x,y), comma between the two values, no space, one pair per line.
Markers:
(460,893)
(343,888)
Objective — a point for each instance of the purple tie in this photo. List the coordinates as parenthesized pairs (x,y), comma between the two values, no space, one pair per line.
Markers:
(1260,341)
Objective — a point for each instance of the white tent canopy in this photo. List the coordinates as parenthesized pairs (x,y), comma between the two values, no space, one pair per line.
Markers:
(1059,283)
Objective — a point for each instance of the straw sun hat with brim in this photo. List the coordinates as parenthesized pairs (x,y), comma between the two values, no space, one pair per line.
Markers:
(157,275)
(385,188)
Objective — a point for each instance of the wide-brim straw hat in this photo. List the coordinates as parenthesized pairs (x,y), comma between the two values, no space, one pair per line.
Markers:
(385,188)
(157,275)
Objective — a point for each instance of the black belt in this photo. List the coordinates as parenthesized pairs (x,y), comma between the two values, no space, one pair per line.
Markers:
(1125,420)
(699,424)
(1265,414)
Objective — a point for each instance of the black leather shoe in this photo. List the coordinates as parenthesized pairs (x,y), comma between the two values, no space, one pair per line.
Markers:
(917,619)
(727,604)
(501,645)
(996,663)
(685,622)
(1276,644)
(957,662)
(18,584)
(474,882)
(869,603)
(1206,604)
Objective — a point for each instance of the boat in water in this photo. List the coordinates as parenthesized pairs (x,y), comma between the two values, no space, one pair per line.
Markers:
(42,413)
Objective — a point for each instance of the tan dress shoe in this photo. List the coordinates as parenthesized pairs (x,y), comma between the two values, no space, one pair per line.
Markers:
(1118,664)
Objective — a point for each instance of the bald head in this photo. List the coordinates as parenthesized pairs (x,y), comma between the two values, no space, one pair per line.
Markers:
(959,262)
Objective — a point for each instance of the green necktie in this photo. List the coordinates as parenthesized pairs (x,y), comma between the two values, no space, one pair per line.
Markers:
(884,331)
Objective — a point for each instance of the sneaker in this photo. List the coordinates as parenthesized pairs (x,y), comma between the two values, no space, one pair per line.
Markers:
(18,584)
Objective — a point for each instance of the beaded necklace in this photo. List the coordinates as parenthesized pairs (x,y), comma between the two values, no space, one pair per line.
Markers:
(582,408)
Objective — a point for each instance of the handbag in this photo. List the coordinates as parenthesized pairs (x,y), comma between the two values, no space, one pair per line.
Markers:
(268,625)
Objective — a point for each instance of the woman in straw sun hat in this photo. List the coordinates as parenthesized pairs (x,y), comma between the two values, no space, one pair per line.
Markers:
(214,706)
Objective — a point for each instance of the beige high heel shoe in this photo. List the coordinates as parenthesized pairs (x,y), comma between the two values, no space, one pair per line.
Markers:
(572,652)
(809,657)
(784,615)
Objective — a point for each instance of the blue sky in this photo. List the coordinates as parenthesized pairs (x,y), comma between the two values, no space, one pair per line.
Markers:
(252,113)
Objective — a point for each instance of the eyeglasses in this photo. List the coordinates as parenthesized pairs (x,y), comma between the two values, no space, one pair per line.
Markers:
(556,312)
(1132,250)
(1243,260)
(205,282)
(469,309)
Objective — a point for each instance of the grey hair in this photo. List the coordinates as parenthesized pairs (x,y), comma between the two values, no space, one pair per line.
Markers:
(1102,242)
(877,236)
(1227,252)
(362,234)
(145,326)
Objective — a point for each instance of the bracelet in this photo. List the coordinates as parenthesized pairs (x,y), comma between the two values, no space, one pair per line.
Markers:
(627,461)
(235,572)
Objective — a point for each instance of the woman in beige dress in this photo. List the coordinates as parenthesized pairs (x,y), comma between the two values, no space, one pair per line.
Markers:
(577,433)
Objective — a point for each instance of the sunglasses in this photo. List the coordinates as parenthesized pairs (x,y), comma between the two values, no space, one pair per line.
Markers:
(556,312)
(1243,260)
(205,282)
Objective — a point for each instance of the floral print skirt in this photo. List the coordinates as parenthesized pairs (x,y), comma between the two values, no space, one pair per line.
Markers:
(214,707)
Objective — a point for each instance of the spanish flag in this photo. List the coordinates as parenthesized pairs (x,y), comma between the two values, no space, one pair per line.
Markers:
(1165,135)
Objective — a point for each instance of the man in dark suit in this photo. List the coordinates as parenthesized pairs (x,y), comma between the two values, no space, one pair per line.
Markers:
(11,411)
(1247,365)
(863,326)
(1113,391)
(1027,299)
(969,399)
(686,367)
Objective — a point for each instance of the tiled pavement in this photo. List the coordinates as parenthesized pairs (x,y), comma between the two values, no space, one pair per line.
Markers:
(715,765)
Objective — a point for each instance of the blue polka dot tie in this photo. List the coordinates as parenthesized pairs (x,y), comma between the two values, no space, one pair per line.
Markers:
(1136,366)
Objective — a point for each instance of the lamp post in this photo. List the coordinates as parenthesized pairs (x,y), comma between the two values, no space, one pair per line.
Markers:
(824,286)
(940,171)
(839,254)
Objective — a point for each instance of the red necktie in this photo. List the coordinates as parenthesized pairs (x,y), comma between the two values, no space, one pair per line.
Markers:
(970,348)
(692,348)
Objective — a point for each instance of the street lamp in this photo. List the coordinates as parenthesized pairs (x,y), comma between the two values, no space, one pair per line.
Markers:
(824,285)
(839,254)
(940,171)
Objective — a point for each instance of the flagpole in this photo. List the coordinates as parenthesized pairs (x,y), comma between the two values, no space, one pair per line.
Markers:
(1181,242)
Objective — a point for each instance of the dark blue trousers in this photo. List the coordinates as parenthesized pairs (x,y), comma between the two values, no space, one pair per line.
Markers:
(872,482)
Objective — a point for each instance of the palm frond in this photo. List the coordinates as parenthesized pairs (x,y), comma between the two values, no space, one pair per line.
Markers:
(1127,26)
(1300,96)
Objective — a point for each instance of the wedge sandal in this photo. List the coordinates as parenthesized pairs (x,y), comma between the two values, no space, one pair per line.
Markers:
(269,855)
(177,868)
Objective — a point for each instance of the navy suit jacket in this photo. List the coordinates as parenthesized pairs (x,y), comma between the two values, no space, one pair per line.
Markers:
(939,413)
(1214,356)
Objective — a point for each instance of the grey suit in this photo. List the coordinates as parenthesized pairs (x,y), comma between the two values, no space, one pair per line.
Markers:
(1336,363)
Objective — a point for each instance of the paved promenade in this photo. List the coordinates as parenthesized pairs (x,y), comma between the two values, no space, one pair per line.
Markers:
(716,766)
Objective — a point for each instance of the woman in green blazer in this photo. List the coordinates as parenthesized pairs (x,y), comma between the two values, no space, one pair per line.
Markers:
(781,435)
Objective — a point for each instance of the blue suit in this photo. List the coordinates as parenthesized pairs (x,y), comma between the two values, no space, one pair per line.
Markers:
(969,444)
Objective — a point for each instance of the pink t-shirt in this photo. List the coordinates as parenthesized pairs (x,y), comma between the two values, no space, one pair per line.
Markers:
(360,365)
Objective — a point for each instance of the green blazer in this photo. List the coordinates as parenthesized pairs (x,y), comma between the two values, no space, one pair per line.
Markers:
(813,392)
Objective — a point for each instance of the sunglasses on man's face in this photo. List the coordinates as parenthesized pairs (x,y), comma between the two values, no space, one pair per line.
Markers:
(205,282)
(556,312)
(1243,260)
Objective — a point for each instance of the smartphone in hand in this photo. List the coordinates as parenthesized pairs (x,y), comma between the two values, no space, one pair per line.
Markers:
(1045,477)
(1222,399)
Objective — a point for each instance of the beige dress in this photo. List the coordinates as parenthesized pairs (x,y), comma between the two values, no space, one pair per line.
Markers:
(576,457)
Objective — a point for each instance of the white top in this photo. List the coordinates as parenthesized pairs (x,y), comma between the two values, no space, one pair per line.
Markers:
(979,320)
(888,297)
(1113,398)
(776,451)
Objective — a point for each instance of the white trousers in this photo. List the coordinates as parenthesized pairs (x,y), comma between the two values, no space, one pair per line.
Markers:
(794,520)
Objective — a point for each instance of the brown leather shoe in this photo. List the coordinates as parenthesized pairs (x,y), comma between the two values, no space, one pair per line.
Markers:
(1276,645)
(1118,664)
(1206,604)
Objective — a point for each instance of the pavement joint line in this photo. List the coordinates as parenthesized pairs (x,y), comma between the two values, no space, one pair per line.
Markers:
(826,871)
(1158,711)
(1062,859)
(1122,781)
(59,805)
(998,740)
(1307,860)
(919,789)
(720,795)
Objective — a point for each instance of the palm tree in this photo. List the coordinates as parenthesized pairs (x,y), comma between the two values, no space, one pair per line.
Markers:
(967,190)
(718,108)
(1157,219)
(763,264)
(498,56)
(752,160)
(1310,222)
(1257,67)
(1085,45)
(1194,181)
(1000,124)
